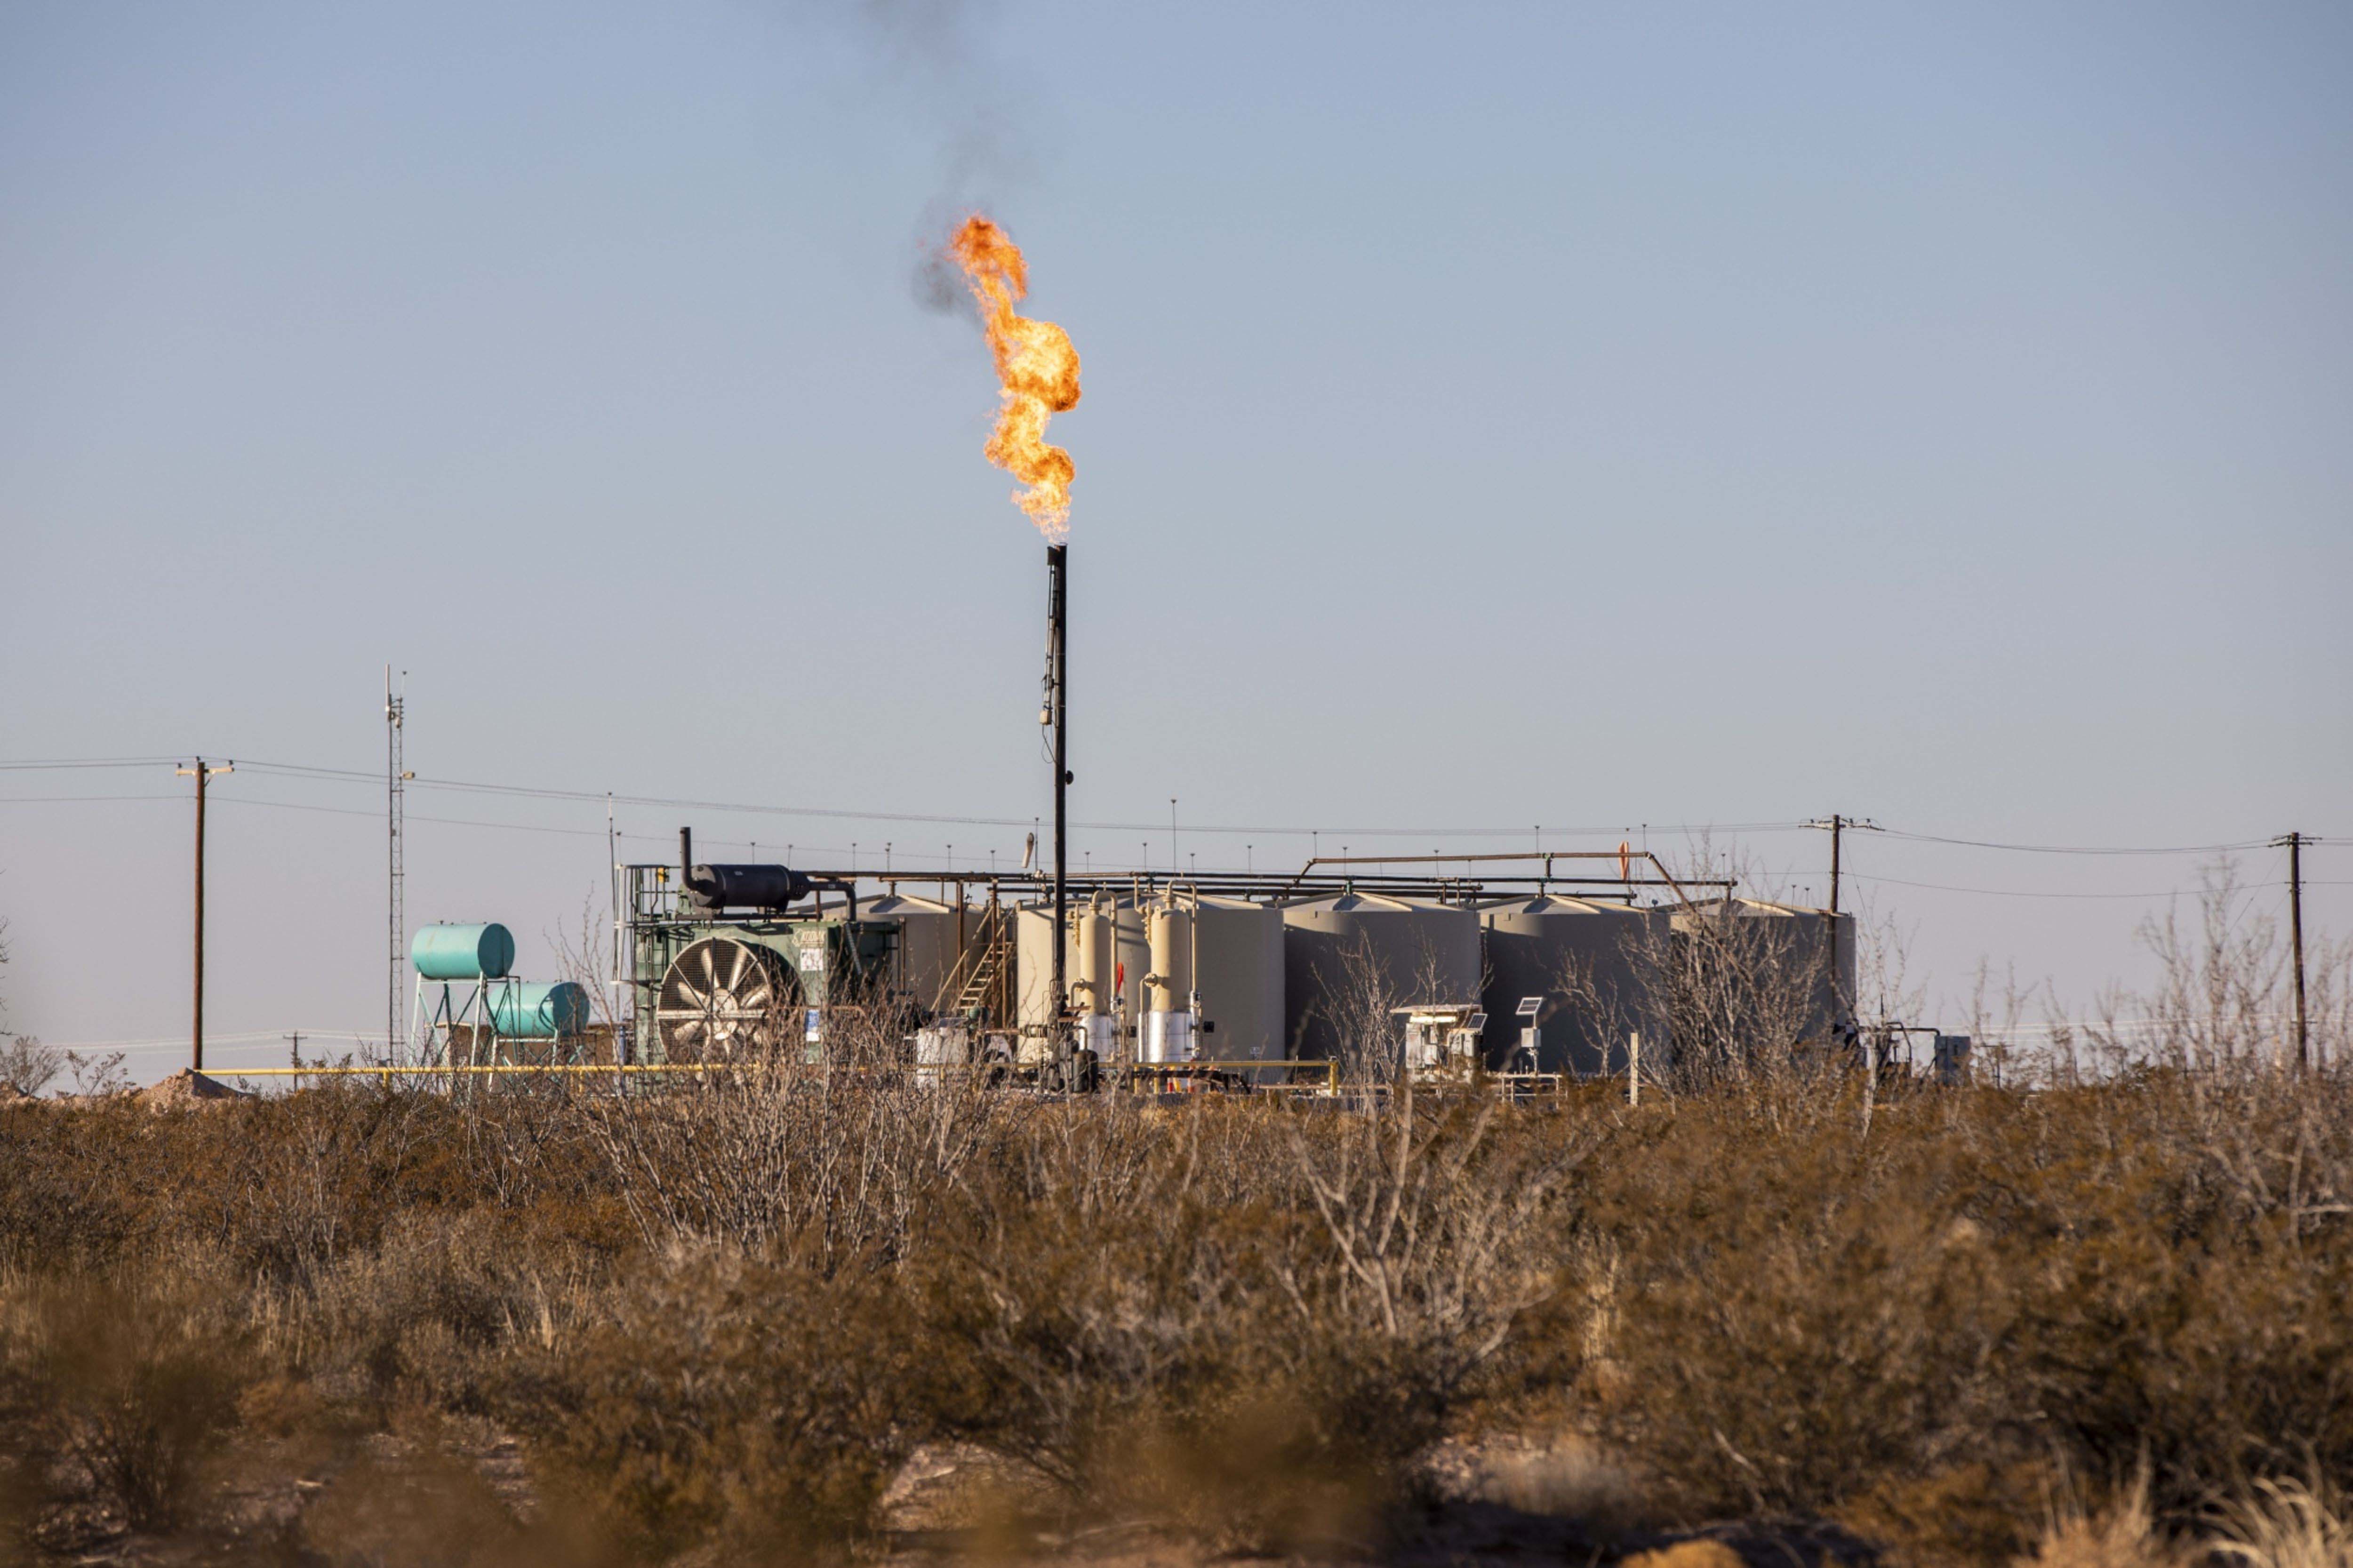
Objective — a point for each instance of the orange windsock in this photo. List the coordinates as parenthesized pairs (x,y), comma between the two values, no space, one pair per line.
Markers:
(1037,371)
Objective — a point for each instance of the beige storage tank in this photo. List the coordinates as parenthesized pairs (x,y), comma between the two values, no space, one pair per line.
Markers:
(1033,957)
(1033,962)
(1237,959)
(1166,1030)
(1418,950)
(929,944)
(1094,988)
(1094,992)
(1589,964)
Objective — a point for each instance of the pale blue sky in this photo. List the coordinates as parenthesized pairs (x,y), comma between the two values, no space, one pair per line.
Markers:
(1570,416)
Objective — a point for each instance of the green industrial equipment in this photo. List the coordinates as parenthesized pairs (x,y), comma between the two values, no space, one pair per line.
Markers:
(712,986)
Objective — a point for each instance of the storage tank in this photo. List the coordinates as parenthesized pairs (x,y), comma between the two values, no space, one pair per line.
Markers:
(462,952)
(539,1012)
(1590,965)
(1167,1031)
(929,944)
(1816,946)
(1236,956)
(1033,964)
(1033,954)
(1094,990)
(1419,950)
(1238,971)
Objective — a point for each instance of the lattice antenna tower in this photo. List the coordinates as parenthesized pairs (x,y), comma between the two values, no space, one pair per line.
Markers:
(395,804)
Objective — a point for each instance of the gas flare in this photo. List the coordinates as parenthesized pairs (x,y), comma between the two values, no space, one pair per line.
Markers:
(1037,369)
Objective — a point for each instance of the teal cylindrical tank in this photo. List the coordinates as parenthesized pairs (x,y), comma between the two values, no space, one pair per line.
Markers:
(463,953)
(539,1012)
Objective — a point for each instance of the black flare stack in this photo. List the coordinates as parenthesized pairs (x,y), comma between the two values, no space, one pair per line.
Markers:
(1058,585)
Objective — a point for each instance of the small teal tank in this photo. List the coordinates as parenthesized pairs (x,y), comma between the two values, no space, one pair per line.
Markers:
(540,1012)
(463,953)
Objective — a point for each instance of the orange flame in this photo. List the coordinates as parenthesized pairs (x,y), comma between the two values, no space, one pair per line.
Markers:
(1037,369)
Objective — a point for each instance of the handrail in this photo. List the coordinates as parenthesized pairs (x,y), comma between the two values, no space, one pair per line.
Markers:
(1622,857)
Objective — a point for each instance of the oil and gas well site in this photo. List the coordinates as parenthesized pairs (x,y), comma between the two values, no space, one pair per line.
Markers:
(1519,971)
(1523,975)
(1515,972)
(1736,600)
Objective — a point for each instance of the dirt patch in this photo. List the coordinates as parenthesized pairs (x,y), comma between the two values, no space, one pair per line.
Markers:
(188,1088)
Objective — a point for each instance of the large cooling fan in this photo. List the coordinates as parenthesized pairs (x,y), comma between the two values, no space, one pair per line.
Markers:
(722,998)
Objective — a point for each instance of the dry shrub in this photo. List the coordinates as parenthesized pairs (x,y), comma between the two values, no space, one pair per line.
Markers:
(845,1162)
(1779,1327)
(721,1312)
(75,1185)
(124,1390)
(435,1313)
(1789,1314)
(744,1406)
(1107,1310)
(417,1501)
(1139,1305)
(1966,1514)
(1273,1471)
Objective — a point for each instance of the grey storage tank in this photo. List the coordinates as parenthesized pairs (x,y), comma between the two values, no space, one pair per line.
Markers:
(1238,969)
(1813,947)
(1591,966)
(1412,951)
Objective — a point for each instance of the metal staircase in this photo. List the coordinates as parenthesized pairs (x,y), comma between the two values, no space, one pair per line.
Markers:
(981,980)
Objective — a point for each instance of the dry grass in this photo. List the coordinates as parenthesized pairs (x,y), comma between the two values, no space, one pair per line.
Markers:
(2122,1534)
(2286,1523)
(1568,1477)
(1238,1322)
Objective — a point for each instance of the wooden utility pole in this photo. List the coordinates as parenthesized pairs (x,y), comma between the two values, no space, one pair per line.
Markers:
(2295,842)
(202,774)
(1838,826)
(396,818)
(1836,822)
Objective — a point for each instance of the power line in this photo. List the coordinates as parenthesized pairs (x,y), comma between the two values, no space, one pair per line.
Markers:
(301,770)
(677,802)
(662,838)
(2033,893)
(78,799)
(2079,848)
